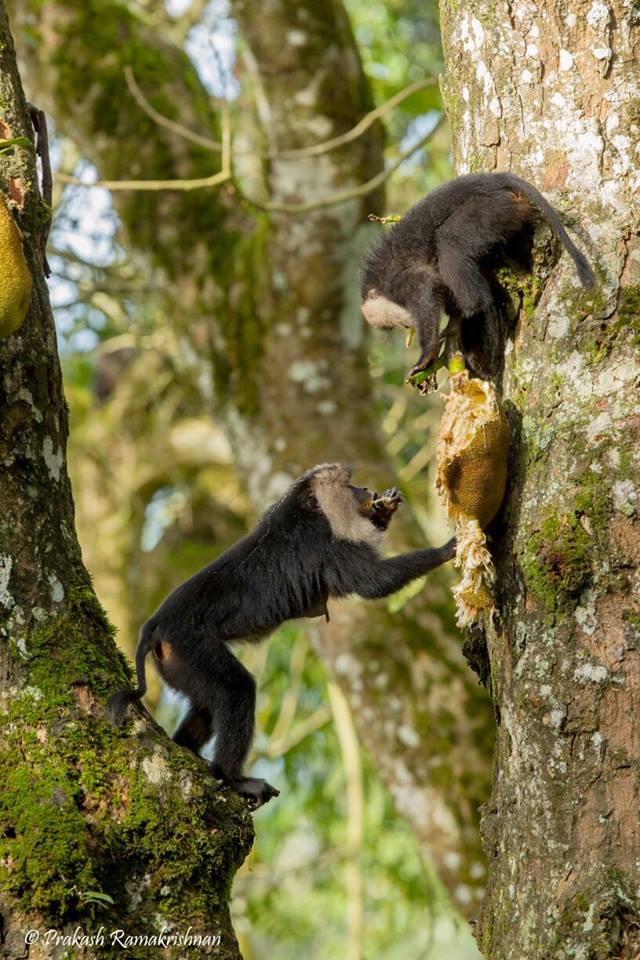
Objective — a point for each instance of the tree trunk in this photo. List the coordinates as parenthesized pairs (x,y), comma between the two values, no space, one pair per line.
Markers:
(550,91)
(85,815)
(276,298)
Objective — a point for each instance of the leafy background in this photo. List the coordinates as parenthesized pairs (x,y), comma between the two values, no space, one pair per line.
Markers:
(157,496)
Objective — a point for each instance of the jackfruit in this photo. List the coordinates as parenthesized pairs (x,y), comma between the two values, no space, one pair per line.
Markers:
(15,279)
(472,458)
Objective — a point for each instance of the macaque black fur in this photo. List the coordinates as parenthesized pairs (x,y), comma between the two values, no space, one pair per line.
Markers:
(441,255)
(320,540)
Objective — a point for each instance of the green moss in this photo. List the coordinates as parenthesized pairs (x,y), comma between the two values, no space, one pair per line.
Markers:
(594,501)
(557,558)
(477,161)
(524,290)
(600,919)
(557,562)
(628,317)
(97,809)
(536,444)
(625,324)
(632,619)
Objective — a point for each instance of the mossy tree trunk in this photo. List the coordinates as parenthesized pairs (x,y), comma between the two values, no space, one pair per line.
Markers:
(550,91)
(276,298)
(82,811)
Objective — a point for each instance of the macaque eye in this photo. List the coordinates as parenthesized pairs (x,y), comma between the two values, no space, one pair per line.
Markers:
(312,502)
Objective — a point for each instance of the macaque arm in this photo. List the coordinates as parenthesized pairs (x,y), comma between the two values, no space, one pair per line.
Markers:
(357,568)
(424,301)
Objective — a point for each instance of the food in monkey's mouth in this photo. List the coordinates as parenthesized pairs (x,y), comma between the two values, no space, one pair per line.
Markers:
(383,506)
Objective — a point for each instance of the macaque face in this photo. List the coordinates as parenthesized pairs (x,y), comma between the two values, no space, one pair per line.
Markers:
(377,508)
(365,499)
(384,314)
(354,513)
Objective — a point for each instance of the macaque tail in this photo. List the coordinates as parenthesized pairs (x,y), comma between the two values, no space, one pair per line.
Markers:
(118,703)
(518,185)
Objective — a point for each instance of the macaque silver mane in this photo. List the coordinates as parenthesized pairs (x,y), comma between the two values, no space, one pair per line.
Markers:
(440,257)
(320,540)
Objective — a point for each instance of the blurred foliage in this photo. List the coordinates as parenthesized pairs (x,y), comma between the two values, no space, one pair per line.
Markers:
(399,42)
(157,497)
(289,898)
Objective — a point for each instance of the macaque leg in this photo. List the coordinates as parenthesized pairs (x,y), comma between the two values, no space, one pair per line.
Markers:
(195,729)
(465,280)
(453,335)
(476,306)
(466,337)
(233,704)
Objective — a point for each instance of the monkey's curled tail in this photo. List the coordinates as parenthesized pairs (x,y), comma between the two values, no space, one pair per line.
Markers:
(518,185)
(118,703)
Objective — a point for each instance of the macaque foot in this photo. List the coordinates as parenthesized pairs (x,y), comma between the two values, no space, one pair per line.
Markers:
(255,790)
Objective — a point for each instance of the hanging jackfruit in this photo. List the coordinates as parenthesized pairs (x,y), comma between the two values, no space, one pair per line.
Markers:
(472,455)
(15,279)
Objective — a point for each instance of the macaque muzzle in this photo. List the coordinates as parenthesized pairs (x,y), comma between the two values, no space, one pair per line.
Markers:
(382,507)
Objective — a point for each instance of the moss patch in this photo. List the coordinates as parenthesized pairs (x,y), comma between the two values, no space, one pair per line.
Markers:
(601,920)
(593,501)
(628,318)
(605,332)
(524,291)
(557,562)
(85,808)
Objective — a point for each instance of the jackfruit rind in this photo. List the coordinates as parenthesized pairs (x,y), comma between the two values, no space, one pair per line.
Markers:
(15,279)
(473,448)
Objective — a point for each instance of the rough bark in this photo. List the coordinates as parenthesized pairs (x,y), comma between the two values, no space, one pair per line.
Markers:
(550,91)
(276,298)
(83,811)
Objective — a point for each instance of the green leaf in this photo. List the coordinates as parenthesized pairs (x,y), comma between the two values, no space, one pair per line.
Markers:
(6,145)
(94,896)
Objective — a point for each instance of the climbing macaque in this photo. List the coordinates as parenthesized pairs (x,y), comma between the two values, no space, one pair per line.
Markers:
(320,540)
(441,255)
